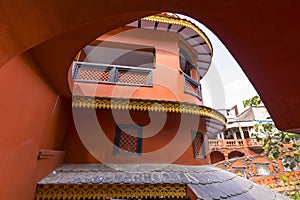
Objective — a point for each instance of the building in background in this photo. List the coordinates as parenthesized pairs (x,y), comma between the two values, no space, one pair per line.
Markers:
(237,150)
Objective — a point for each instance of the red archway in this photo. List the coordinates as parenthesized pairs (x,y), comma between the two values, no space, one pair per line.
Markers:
(61,34)
(216,156)
(39,39)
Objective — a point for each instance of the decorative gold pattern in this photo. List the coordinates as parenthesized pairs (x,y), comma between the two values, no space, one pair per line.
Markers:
(181,22)
(107,191)
(147,105)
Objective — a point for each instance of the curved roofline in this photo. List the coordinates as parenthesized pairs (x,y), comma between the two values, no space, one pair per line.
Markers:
(181,22)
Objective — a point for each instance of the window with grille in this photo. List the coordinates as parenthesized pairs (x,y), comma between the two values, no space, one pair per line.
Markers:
(198,144)
(128,140)
(191,86)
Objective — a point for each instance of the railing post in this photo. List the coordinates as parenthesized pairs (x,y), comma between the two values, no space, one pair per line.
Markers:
(245,144)
(113,75)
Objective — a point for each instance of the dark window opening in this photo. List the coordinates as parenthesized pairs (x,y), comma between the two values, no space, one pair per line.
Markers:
(113,53)
(185,62)
(246,132)
(198,144)
(128,140)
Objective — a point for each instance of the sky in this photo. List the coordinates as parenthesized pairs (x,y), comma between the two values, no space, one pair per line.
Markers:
(225,84)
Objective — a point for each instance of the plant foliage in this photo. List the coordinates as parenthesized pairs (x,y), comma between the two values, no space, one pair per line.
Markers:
(279,144)
(254,101)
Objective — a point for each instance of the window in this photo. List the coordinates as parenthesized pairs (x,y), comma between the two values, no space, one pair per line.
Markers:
(240,171)
(185,62)
(115,53)
(198,144)
(128,140)
(191,86)
(262,169)
(186,65)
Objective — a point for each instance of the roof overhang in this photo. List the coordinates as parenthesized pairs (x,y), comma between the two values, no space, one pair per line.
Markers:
(146,181)
(193,35)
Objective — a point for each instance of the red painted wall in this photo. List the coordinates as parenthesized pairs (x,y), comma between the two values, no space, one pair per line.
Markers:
(32,117)
(158,134)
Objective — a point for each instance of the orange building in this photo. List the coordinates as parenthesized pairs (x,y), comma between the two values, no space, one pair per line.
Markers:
(140,85)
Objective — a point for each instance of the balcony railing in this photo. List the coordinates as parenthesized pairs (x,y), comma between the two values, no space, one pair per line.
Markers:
(215,143)
(113,74)
(249,142)
(191,86)
(252,142)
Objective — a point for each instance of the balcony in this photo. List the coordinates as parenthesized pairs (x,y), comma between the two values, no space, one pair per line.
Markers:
(234,143)
(252,143)
(111,74)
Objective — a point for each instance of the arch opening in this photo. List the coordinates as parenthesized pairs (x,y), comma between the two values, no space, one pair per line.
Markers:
(235,154)
(216,156)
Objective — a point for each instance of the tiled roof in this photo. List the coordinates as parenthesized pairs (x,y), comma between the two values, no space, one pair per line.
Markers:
(206,182)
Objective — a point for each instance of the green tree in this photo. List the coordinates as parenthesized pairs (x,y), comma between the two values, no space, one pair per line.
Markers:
(254,101)
(295,193)
(273,144)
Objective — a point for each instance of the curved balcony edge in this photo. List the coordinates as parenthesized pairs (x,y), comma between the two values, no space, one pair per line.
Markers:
(148,105)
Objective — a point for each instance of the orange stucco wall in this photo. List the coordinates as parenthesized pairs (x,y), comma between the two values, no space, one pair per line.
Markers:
(32,117)
(56,30)
(159,131)
(168,83)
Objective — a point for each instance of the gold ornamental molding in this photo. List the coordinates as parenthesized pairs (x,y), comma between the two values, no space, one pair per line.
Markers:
(181,22)
(109,191)
(146,105)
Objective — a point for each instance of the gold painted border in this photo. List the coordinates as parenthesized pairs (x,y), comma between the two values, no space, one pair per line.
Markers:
(146,105)
(108,191)
(181,22)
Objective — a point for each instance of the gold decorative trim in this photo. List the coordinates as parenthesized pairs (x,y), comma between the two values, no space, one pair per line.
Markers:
(108,191)
(181,22)
(147,105)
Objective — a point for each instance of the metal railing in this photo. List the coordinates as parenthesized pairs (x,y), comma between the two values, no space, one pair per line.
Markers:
(113,74)
(191,86)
